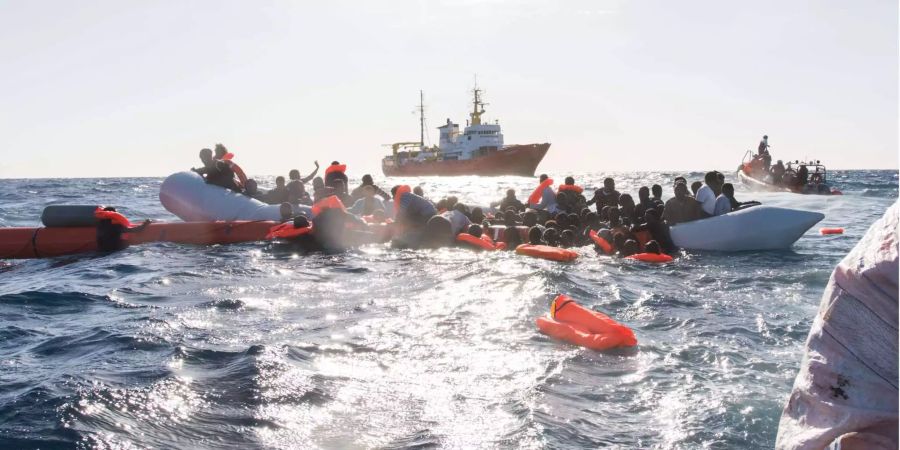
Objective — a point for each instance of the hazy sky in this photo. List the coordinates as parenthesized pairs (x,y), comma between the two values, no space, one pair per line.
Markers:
(123,88)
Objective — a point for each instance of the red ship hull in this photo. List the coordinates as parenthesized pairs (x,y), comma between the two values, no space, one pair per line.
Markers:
(521,160)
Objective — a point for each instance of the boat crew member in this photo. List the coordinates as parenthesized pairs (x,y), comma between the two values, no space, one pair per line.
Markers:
(777,172)
(763,150)
(510,201)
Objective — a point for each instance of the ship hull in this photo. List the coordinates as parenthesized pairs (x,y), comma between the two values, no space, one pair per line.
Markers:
(521,160)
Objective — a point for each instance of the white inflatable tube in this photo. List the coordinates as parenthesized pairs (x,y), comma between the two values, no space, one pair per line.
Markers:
(186,195)
(755,228)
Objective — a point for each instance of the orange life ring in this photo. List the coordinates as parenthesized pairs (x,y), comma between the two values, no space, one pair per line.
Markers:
(602,243)
(242,177)
(341,168)
(535,196)
(287,230)
(475,242)
(330,202)
(112,216)
(571,187)
(547,252)
(402,189)
(568,321)
(228,156)
(836,230)
(652,257)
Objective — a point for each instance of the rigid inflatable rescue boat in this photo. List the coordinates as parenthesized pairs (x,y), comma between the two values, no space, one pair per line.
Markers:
(756,228)
(189,197)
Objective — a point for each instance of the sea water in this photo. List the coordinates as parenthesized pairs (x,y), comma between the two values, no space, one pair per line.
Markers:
(243,346)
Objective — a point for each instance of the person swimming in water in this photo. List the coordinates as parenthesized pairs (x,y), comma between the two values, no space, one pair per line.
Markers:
(535,234)
(110,235)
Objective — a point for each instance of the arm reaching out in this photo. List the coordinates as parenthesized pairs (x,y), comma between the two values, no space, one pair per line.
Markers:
(312,175)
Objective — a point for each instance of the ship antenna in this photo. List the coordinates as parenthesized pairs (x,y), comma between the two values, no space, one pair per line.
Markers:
(421,120)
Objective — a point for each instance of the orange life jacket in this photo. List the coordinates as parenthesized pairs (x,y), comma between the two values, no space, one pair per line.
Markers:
(402,189)
(642,237)
(242,177)
(475,242)
(831,230)
(652,257)
(287,230)
(571,187)
(602,243)
(330,202)
(535,196)
(340,168)
(547,252)
(570,322)
(228,156)
(112,216)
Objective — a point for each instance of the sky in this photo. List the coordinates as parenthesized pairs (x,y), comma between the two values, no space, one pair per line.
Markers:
(113,88)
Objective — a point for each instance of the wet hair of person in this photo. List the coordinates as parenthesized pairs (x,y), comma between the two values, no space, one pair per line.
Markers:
(543,177)
(511,193)
(585,212)
(477,215)
(563,220)
(279,181)
(436,233)
(509,218)
(630,248)
(551,237)
(695,186)
(475,230)
(367,179)
(728,189)
(606,234)
(679,179)
(656,190)
(286,211)
(652,247)
(294,174)
(529,219)
(418,191)
(574,220)
(566,238)
(551,224)
(570,180)
(301,222)
(644,193)
(534,235)
(618,241)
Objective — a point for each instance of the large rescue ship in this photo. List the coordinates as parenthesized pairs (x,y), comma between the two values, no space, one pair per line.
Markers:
(478,150)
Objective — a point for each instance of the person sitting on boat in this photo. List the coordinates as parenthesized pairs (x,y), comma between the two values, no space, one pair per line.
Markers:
(548,198)
(728,191)
(421,192)
(358,193)
(286,212)
(209,163)
(695,186)
(412,210)
(656,191)
(628,210)
(510,201)
(278,194)
(682,207)
(222,154)
(335,172)
(605,196)
(777,172)
(368,203)
(707,193)
(296,186)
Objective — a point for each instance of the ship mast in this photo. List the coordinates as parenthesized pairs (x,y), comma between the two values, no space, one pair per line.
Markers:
(477,106)
(421,120)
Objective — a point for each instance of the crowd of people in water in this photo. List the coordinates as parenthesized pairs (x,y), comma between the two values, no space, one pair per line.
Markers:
(560,216)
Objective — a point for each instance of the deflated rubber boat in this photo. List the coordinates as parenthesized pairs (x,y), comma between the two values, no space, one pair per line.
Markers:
(756,228)
(186,195)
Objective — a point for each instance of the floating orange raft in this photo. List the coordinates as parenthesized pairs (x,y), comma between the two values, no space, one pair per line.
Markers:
(45,242)
(547,252)
(568,321)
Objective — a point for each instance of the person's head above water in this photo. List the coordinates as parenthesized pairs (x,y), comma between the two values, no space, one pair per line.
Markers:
(530,218)
(475,230)
(551,237)
(294,174)
(609,184)
(652,247)
(656,190)
(630,248)
(206,157)
(566,238)
(367,180)
(695,186)
(570,181)
(510,218)
(534,235)
(279,181)
(618,241)
(643,194)
(477,215)
(301,222)
(437,233)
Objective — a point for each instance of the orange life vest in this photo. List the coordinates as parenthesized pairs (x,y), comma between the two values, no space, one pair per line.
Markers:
(547,252)
(330,202)
(340,168)
(831,230)
(571,187)
(535,196)
(652,257)
(402,189)
(287,230)
(571,322)
(228,156)
(475,242)
(602,243)
(112,216)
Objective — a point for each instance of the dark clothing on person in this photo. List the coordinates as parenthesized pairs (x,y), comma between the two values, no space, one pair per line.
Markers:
(221,175)
(415,210)
(276,196)
(602,198)
(110,235)
(511,202)
(682,210)
(296,193)
(330,179)
(802,176)
(659,231)
(357,193)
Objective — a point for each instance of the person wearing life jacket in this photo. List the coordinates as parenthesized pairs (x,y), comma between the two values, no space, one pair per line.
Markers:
(605,196)
(411,210)
(358,192)
(222,154)
(368,203)
(543,198)
(296,186)
(112,227)
(337,171)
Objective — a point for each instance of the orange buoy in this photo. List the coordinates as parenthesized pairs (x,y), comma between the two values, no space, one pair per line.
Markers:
(475,242)
(836,230)
(651,257)
(547,252)
(568,321)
